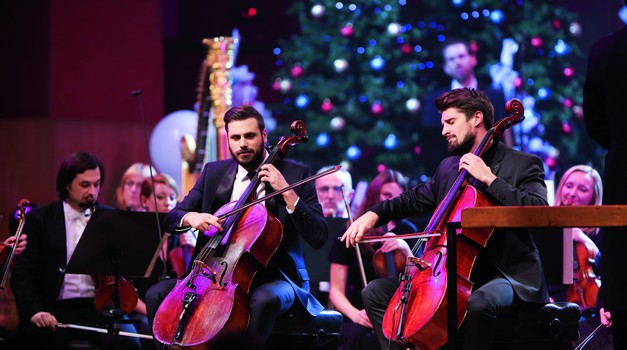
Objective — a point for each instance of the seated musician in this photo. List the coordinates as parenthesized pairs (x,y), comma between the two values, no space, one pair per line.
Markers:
(582,185)
(283,286)
(507,272)
(346,274)
(44,294)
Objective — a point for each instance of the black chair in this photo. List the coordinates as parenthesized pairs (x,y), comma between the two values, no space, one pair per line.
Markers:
(549,326)
(320,332)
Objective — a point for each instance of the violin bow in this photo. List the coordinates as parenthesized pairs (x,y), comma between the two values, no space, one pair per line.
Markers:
(360,261)
(589,337)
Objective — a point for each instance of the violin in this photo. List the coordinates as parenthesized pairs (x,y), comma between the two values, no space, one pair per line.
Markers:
(7,254)
(105,294)
(179,259)
(213,298)
(416,316)
(389,264)
(585,287)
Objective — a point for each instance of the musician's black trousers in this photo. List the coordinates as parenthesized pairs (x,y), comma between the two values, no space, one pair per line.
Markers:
(492,300)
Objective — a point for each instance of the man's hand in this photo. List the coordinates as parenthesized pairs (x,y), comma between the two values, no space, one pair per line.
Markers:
(44,319)
(273,177)
(21,245)
(358,228)
(202,221)
(477,168)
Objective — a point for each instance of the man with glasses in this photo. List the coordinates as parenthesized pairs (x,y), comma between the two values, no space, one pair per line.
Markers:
(332,190)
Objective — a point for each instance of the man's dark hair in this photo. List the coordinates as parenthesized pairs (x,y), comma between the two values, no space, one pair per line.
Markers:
(455,41)
(75,164)
(241,113)
(468,101)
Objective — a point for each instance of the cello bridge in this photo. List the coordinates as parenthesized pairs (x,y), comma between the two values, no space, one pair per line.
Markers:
(418,262)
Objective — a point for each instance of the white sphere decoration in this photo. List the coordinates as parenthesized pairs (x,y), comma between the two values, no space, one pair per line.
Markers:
(394,28)
(412,105)
(338,123)
(340,65)
(317,10)
(285,85)
(165,141)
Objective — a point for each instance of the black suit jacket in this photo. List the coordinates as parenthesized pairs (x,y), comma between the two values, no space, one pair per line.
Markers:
(37,276)
(213,190)
(520,181)
(606,121)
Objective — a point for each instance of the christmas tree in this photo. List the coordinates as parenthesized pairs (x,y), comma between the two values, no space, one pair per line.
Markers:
(357,72)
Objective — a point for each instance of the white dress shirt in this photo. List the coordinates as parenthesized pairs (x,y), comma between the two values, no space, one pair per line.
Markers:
(75,286)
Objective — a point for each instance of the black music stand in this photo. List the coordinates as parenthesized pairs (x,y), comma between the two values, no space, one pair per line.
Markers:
(118,243)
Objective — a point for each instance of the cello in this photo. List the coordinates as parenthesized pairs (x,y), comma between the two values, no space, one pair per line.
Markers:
(417,313)
(213,298)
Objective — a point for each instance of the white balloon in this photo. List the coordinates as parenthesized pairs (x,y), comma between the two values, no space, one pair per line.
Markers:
(165,141)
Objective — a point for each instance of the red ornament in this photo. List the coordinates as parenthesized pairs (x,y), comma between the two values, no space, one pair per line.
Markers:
(517,82)
(297,71)
(566,128)
(326,106)
(381,168)
(347,30)
(406,49)
(556,24)
(550,162)
(277,84)
(417,150)
(568,103)
(536,41)
(376,108)
(569,72)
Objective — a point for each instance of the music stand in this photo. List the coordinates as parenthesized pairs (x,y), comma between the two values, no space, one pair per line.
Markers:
(118,243)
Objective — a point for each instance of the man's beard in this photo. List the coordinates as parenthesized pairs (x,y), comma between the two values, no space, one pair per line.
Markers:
(254,162)
(464,147)
(87,203)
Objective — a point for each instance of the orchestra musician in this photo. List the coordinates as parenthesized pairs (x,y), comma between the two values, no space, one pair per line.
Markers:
(45,295)
(332,189)
(582,185)
(508,271)
(346,284)
(283,286)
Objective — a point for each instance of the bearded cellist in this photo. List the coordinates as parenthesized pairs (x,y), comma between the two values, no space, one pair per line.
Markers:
(508,271)
(284,285)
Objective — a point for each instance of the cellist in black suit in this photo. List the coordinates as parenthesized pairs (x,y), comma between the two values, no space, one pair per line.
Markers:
(508,272)
(284,285)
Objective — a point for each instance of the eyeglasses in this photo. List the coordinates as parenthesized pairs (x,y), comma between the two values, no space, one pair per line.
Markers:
(324,189)
(133,184)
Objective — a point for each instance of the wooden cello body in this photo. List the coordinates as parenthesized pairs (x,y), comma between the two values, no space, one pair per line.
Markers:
(417,313)
(212,300)
(219,285)
(426,301)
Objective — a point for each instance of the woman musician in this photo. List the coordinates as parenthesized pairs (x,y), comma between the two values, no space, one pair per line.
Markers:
(582,185)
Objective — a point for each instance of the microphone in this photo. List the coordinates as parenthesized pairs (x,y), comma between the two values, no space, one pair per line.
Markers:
(136,92)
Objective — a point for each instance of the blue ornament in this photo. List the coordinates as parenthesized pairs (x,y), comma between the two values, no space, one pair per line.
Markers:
(497,16)
(377,63)
(353,152)
(302,101)
(390,141)
(322,139)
